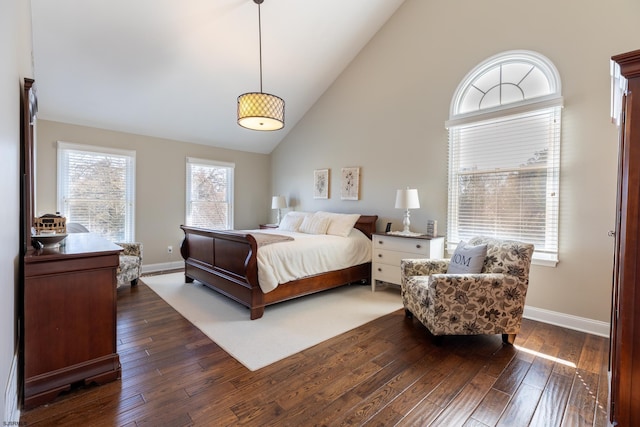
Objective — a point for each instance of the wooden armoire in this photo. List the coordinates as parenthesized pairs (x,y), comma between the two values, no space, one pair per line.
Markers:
(624,359)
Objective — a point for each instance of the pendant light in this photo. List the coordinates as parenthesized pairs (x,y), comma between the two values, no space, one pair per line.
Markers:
(259,110)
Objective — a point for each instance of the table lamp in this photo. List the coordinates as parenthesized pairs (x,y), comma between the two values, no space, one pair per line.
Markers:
(407,199)
(278,202)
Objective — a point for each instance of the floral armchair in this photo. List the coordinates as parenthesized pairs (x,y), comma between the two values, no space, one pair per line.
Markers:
(130,266)
(491,302)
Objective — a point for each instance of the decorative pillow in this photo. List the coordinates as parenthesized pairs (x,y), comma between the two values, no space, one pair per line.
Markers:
(340,224)
(467,259)
(291,221)
(314,224)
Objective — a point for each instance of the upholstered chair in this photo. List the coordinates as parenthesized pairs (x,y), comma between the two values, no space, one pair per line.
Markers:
(130,266)
(489,302)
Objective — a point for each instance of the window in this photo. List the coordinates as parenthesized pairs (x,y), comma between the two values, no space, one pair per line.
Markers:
(96,189)
(504,153)
(209,194)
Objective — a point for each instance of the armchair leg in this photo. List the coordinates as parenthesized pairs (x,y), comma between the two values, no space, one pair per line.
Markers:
(134,282)
(408,314)
(508,339)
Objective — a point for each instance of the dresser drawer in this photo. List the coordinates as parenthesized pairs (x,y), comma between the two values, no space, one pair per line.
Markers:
(381,256)
(401,244)
(385,273)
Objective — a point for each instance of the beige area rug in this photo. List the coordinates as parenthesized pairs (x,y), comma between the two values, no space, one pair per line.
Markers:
(285,329)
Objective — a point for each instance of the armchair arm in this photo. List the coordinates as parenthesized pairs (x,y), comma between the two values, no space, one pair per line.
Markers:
(446,285)
(423,267)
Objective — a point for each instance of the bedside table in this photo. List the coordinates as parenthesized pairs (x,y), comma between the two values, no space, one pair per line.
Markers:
(268,226)
(388,250)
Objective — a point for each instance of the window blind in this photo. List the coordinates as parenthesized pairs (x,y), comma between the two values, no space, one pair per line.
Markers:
(504,180)
(209,194)
(96,188)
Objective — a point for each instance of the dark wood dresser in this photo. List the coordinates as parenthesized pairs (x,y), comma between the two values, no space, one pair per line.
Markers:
(69,317)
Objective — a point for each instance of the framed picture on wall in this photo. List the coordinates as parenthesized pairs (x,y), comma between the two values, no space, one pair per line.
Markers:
(321,184)
(350,185)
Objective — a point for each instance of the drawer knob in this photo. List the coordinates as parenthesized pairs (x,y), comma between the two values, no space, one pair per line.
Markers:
(379,269)
(379,255)
(418,246)
(380,242)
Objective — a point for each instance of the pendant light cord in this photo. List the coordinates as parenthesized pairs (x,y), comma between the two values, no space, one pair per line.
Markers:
(260,44)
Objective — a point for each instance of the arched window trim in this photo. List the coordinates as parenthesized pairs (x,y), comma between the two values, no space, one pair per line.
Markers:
(534,58)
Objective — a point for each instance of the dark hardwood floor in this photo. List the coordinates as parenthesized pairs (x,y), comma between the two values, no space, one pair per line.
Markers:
(387,372)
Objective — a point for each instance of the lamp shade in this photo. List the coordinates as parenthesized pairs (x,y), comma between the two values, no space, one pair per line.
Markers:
(278,202)
(407,199)
(260,111)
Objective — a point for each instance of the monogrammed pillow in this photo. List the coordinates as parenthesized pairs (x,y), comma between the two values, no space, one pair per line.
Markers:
(467,259)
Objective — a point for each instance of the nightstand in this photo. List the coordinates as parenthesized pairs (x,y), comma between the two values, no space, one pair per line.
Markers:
(268,226)
(389,249)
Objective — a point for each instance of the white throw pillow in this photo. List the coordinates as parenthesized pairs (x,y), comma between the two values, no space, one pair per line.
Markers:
(340,224)
(467,259)
(291,221)
(314,224)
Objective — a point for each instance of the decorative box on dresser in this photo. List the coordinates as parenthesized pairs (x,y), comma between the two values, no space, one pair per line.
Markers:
(69,317)
(389,249)
(624,358)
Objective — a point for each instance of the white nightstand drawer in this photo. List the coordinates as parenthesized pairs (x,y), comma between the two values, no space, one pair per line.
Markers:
(385,273)
(391,257)
(388,251)
(402,244)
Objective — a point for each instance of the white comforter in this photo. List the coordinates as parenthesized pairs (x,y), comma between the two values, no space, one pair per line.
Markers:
(309,254)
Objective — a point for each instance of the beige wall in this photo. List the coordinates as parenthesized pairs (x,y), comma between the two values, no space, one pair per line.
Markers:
(15,51)
(160,182)
(386,114)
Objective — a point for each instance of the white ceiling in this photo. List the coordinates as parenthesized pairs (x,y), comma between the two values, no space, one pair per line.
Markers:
(174,68)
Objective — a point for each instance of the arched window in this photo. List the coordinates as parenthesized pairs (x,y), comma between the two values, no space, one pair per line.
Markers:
(504,153)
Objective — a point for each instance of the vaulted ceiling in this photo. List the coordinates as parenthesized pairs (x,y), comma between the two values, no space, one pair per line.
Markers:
(174,68)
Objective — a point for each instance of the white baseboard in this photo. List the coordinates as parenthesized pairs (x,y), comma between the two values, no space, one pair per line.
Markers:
(568,321)
(11,407)
(163,266)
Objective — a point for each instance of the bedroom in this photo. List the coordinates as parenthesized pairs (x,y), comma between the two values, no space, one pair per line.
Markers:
(403,143)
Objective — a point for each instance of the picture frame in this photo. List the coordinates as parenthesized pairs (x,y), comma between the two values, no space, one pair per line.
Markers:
(350,184)
(321,184)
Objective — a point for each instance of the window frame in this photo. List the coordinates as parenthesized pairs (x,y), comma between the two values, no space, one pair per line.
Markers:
(63,148)
(229,189)
(494,115)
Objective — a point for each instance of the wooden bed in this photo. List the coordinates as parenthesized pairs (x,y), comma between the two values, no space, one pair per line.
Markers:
(226,262)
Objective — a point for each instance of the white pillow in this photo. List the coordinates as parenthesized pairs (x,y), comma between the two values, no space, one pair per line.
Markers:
(467,259)
(314,224)
(291,221)
(340,224)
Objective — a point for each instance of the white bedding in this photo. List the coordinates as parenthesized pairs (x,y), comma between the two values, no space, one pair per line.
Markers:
(309,254)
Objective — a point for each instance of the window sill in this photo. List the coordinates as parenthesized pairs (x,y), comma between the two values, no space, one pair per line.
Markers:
(544,261)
